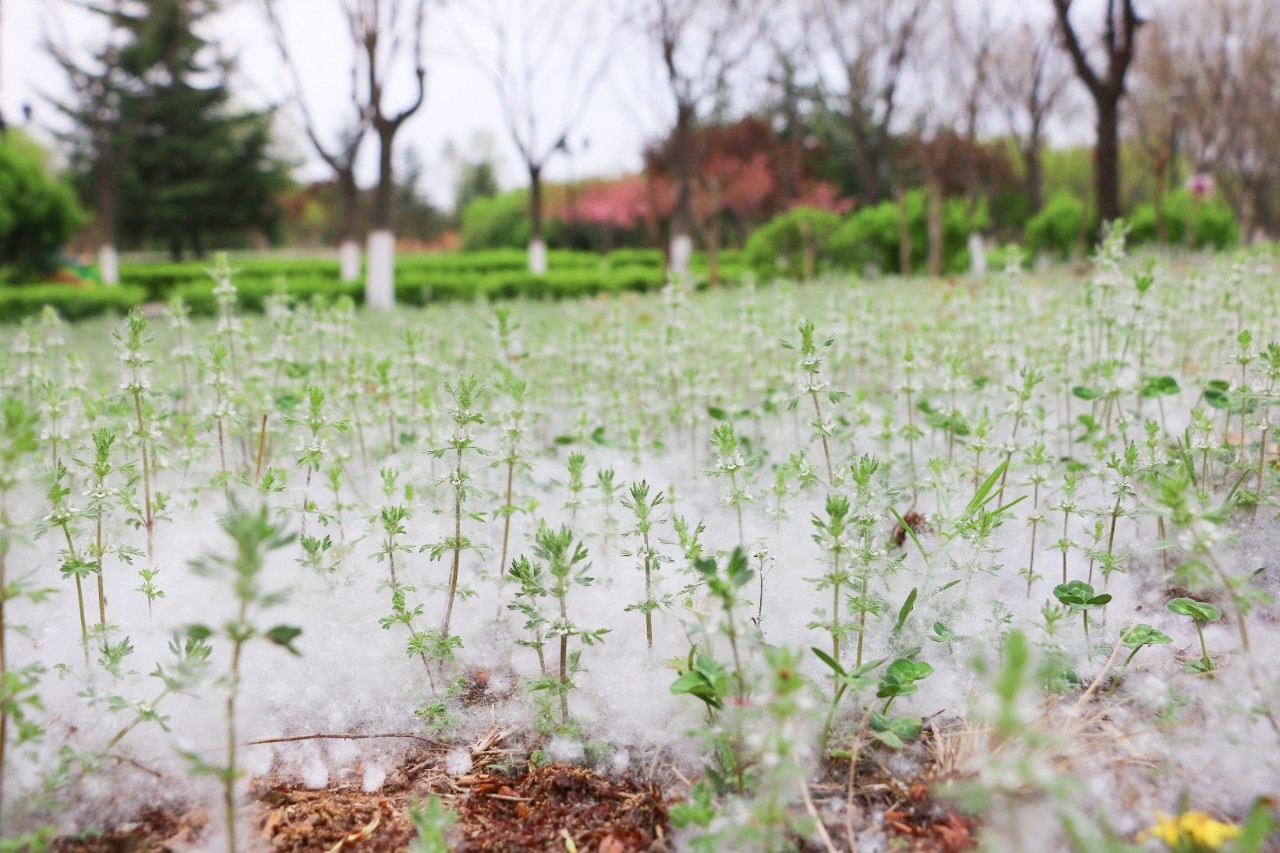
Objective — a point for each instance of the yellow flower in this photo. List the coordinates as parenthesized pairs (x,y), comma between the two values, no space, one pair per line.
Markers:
(1166,829)
(1207,832)
(1192,830)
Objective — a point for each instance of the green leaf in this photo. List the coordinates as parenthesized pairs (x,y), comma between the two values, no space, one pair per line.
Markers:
(905,611)
(1201,611)
(889,739)
(828,660)
(283,636)
(986,491)
(1159,386)
(910,531)
(1143,635)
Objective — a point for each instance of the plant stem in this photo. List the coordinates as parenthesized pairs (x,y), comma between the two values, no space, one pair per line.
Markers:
(564,665)
(1204,651)
(506,508)
(148,518)
(457,543)
(1088,649)
(826,452)
(262,446)
(102,595)
(648,591)
(4,710)
(862,621)
(84,625)
(229,777)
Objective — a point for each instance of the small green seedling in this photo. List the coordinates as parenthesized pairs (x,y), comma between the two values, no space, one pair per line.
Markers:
(900,679)
(703,678)
(431,822)
(1137,636)
(942,633)
(1079,596)
(1201,612)
(894,732)
(856,679)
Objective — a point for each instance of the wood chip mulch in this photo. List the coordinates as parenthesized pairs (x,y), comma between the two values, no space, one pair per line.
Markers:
(561,807)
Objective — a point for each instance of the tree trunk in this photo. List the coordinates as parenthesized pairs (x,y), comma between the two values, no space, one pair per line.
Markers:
(380,284)
(1157,201)
(904,231)
(713,230)
(809,252)
(537,243)
(349,235)
(108,261)
(935,227)
(1247,208)
(1107,158)
(682,214)
(1034,178)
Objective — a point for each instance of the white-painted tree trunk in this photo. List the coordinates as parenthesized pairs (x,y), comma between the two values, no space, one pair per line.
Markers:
(977,254)
(538,257)
(108,264)
(681,254)
(349,260)
(380,283)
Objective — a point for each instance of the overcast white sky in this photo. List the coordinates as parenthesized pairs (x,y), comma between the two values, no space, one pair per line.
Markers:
(460,103)
(626,111)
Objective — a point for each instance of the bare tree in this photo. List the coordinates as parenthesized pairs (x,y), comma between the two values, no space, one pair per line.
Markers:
(340,157)
(1153,114)
(972,39)
(873,42)
(383,31)
(1231,106)
(699,44)
(1106,84)
(545,60)
(1028,79)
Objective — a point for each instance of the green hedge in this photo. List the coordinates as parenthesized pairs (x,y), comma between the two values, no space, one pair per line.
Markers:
(161,280)
(1188,221)
(1057,228)
(252,295)
(568,284)
(635,258)
(418,283)
(779,246)
(422,287)
(72,303)
(870,236)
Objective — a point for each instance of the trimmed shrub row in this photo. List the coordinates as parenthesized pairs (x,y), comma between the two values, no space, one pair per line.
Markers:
(426,287)
(417,283)
(73,303)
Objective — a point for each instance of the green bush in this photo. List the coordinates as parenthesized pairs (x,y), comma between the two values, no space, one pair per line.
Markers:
(1056,229)
(38,214)
(870,237)
(1213,224)
(1188,221)
(999,257)
(792,243)
(497,222)
(72,303)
